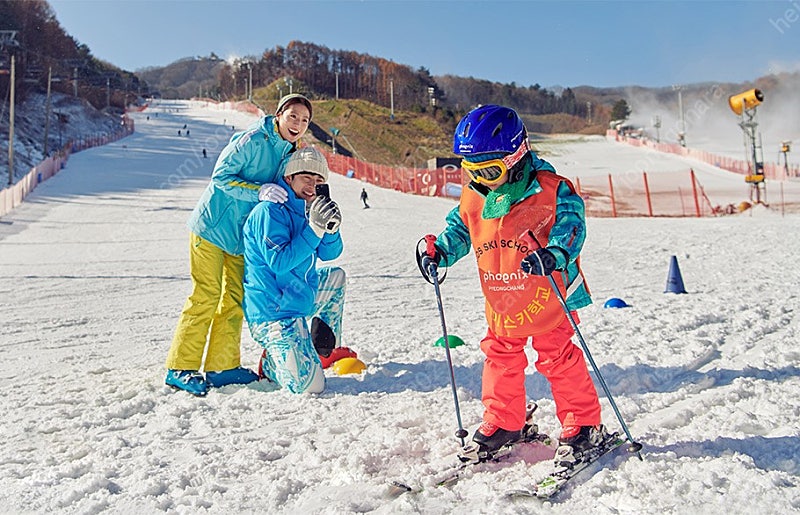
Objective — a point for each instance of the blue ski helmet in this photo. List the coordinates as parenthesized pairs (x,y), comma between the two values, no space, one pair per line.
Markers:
(489,128)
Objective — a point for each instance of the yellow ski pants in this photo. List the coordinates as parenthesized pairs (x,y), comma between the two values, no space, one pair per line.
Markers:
(212,313)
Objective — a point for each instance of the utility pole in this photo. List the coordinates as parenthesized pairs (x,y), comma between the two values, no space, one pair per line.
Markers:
(75,82)
(11,124)
(47,109)
(8,40)
(337,85)
(250,81)
(391,99)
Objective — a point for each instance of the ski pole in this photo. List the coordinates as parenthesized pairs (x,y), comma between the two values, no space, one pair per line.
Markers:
(634,446)
(433,271)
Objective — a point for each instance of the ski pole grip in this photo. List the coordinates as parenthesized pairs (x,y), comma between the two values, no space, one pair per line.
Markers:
(430,245)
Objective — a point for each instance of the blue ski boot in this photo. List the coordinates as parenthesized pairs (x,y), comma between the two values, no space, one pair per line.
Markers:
(238,375)
(190,381)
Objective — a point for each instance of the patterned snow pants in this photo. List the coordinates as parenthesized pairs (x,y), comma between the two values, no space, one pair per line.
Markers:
(291,359)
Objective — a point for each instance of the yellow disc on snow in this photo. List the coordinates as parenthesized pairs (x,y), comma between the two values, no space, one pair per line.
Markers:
(349,366)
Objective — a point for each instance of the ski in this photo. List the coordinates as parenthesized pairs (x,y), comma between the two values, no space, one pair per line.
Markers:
(469,456)
(552,484)
(467,459)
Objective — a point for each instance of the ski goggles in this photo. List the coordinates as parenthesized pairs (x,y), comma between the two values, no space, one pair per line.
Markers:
(493,171)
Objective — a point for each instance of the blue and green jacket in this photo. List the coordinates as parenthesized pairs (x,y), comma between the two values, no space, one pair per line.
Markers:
(251,158)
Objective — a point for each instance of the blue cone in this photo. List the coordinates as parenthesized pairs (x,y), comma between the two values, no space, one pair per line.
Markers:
(674,279)
(616,303)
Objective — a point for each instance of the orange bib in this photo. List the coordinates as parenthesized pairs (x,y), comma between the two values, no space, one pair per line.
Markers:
(517,304)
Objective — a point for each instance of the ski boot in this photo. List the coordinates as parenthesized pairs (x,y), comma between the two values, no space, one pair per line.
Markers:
(490,438)
(575,441)
(238,375)
(190,381)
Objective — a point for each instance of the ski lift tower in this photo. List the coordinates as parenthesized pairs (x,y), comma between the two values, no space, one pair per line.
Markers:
(744,105)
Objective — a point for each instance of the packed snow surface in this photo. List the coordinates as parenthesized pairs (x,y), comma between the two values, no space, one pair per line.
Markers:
(94,271)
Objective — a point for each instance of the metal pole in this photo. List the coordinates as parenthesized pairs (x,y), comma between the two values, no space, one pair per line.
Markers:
(11,125)
(433,271)
(47,110)
(634,446)
(337,85)
(250,84)
(391,98)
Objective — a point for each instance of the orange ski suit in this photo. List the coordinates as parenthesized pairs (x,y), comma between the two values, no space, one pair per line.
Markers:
(520,307)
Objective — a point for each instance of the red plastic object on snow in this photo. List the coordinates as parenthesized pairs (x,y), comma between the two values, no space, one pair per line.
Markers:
(337,354)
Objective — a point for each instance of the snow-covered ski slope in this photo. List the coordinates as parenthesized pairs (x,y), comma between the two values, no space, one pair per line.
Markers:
(94,272)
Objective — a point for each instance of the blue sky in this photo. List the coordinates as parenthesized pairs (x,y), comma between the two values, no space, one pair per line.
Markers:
(567,43)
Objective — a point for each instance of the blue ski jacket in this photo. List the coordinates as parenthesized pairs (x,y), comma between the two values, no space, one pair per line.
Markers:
(250,159)
(280,253)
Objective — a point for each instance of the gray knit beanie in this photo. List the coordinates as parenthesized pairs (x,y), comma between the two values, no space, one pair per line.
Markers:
(309,160)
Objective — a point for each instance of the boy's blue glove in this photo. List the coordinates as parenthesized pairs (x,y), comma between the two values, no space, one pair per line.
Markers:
(540,262)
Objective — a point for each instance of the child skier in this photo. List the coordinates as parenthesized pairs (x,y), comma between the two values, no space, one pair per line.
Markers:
(283,289)
(244,174)
(523,223)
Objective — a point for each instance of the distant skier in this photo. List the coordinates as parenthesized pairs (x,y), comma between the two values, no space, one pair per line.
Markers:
(523,223)
(187,133)
(179,132)
(205,154)
(364,197)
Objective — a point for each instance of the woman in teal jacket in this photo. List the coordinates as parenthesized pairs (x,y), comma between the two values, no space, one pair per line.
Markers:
(246,172)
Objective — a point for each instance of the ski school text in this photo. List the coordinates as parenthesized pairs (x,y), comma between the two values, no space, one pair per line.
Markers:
(501,244)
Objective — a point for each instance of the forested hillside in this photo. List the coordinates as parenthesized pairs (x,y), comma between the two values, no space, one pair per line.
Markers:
(323,73)
(42,48)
